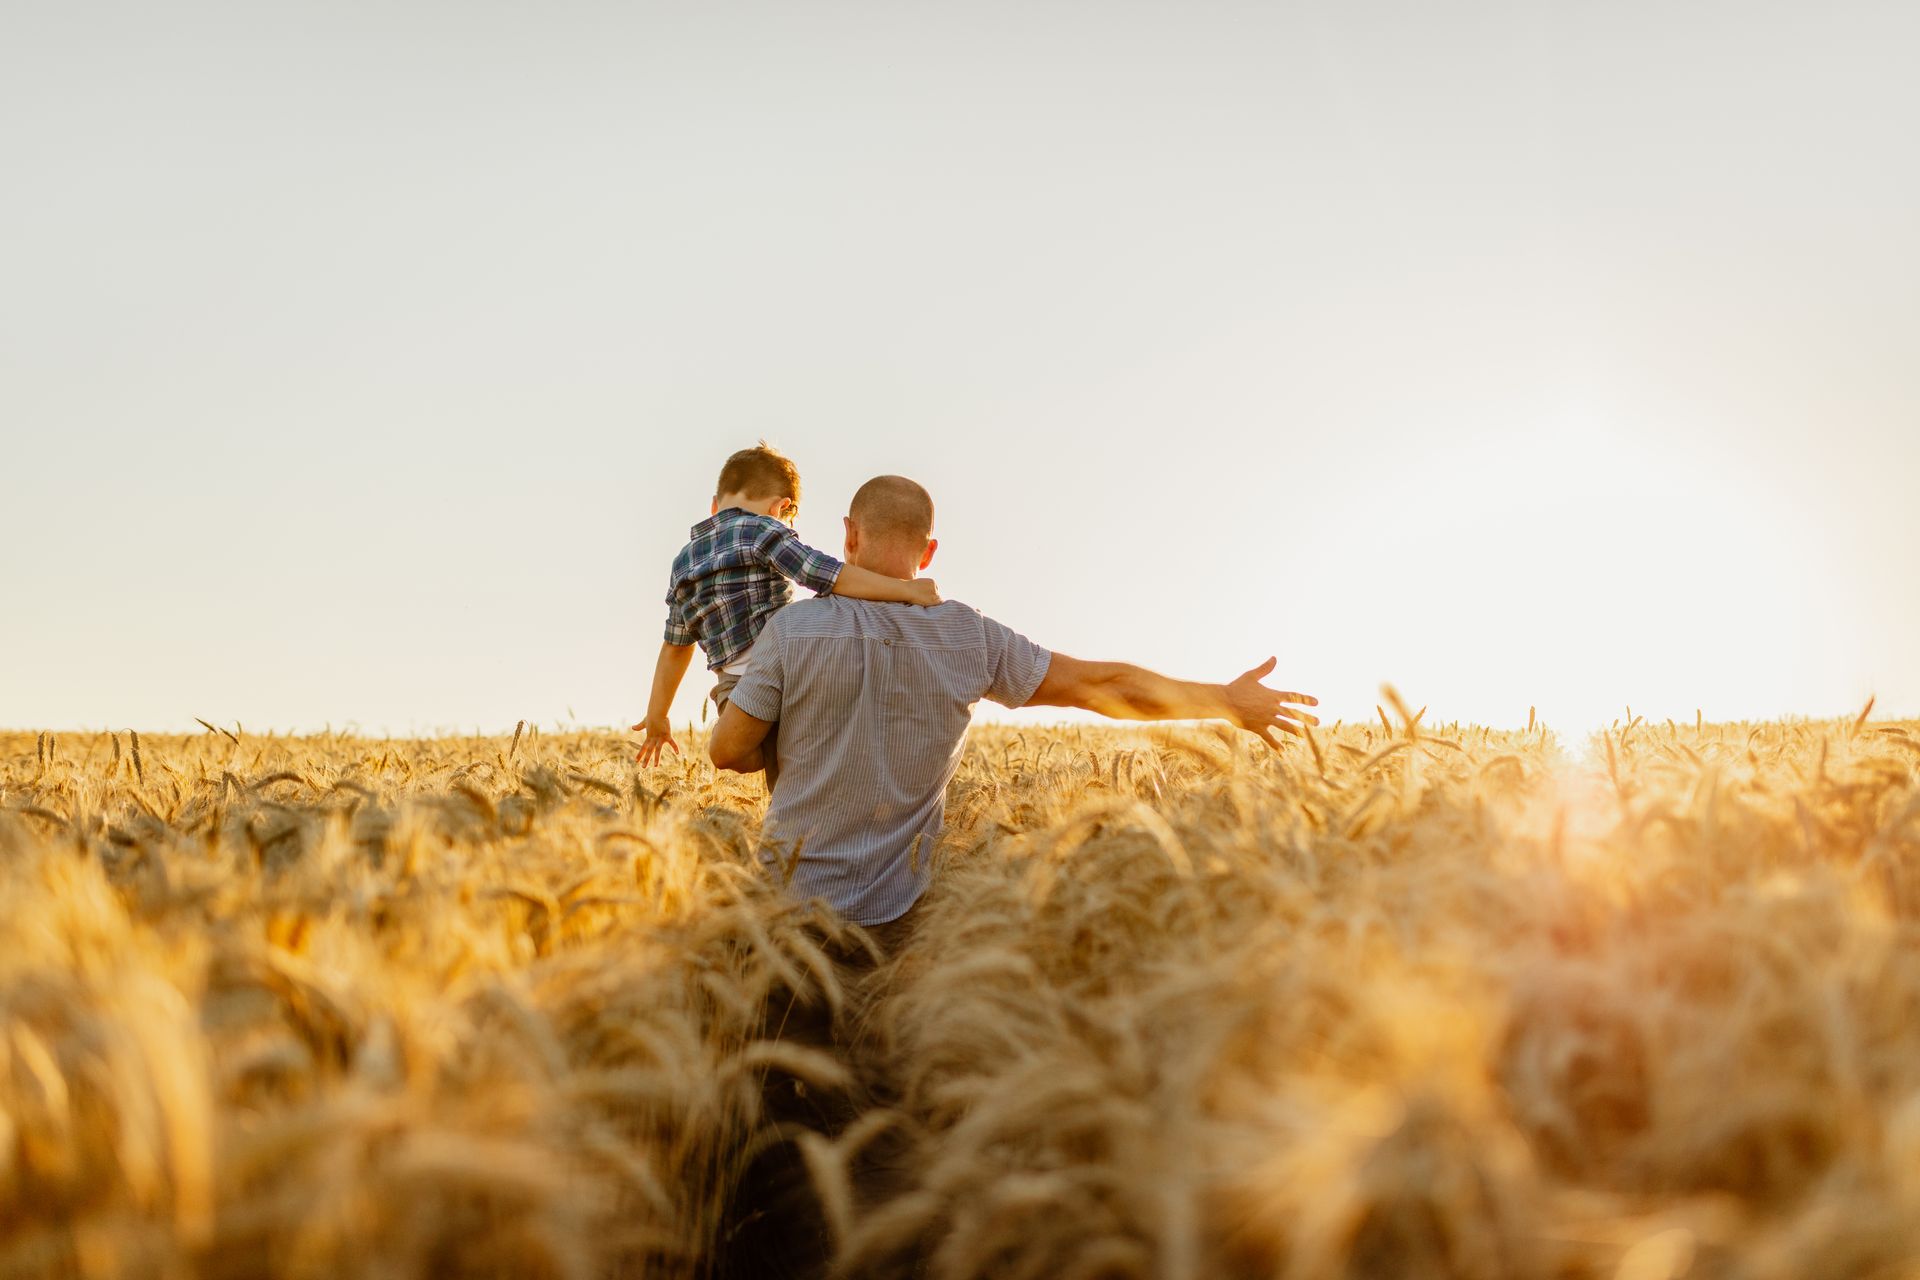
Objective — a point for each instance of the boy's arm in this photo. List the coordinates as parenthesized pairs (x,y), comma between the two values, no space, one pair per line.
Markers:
(821,573)
(856,583)
(668,671)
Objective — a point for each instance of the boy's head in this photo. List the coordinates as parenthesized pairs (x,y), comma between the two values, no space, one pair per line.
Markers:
(762,480)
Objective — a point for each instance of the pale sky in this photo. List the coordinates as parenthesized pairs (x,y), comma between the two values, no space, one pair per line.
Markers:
(367,364)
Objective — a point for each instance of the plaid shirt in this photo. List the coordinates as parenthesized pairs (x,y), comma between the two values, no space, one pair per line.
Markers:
(732,576)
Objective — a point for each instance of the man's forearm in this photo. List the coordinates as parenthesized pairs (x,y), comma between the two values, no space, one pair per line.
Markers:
(738,741)
(752,761)
(1122,691)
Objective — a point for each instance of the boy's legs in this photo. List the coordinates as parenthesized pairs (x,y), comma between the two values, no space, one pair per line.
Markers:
(723,682)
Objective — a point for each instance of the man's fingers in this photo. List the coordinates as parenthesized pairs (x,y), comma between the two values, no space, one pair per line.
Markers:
(1304,699)
(639,727)
(1299,717)
(1262,671)
(1285,726)
(1266,736)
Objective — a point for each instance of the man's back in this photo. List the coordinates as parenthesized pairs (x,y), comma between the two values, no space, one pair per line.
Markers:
(873,702)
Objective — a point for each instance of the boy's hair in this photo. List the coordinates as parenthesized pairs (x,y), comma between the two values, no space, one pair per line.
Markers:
(760,472)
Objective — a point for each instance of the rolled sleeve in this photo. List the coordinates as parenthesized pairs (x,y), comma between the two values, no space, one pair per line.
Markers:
(760,689)
(678,630)
(1015,664)
(783,551)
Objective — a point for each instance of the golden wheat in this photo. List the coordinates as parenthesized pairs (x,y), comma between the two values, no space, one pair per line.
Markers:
(1400,1001)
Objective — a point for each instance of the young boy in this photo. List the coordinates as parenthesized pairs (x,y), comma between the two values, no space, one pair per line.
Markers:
(731,577)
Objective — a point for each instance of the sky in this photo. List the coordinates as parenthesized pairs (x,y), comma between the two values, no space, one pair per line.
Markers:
(365,365)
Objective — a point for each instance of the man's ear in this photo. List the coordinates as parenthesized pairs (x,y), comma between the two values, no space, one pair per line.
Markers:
(926,557)
(852,541)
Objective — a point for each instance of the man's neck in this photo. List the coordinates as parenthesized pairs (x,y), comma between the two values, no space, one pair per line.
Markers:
(887,567)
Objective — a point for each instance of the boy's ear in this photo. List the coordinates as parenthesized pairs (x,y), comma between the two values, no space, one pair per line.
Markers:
(926,557)
(713,508)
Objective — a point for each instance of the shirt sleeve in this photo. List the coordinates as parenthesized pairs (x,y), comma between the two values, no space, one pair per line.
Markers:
(782,549)
(759,691)
(679,631)
(1015,664)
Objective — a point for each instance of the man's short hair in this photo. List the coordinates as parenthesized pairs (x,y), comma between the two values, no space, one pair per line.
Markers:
(893,507)
(760,472)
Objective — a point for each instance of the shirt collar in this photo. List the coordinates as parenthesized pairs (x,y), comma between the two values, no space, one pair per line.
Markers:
(719,518)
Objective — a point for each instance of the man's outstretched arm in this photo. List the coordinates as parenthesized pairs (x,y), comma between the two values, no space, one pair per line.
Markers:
(1123,691)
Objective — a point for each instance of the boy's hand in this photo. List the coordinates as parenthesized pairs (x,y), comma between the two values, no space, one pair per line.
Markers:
(922,591)
(659,737)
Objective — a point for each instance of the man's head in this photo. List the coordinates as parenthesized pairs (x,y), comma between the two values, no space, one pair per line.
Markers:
(762,480)
(890,527)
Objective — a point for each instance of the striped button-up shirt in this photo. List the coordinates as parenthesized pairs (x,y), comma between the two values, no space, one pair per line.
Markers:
(873,702)
(732,575)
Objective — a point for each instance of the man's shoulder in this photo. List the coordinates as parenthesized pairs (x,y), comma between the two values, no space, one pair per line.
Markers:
(951,621)
(817,614)
(810,608)
(799,617)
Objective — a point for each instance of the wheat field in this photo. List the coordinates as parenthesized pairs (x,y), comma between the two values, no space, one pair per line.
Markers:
(1405,1000)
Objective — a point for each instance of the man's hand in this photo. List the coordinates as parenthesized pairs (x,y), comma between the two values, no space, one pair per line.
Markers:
(659,737)
(1261,710)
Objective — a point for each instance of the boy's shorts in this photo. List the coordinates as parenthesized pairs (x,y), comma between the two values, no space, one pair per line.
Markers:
(724,678)
(723,688)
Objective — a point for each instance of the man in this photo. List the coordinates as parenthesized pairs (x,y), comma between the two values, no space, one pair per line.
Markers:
(873,702)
